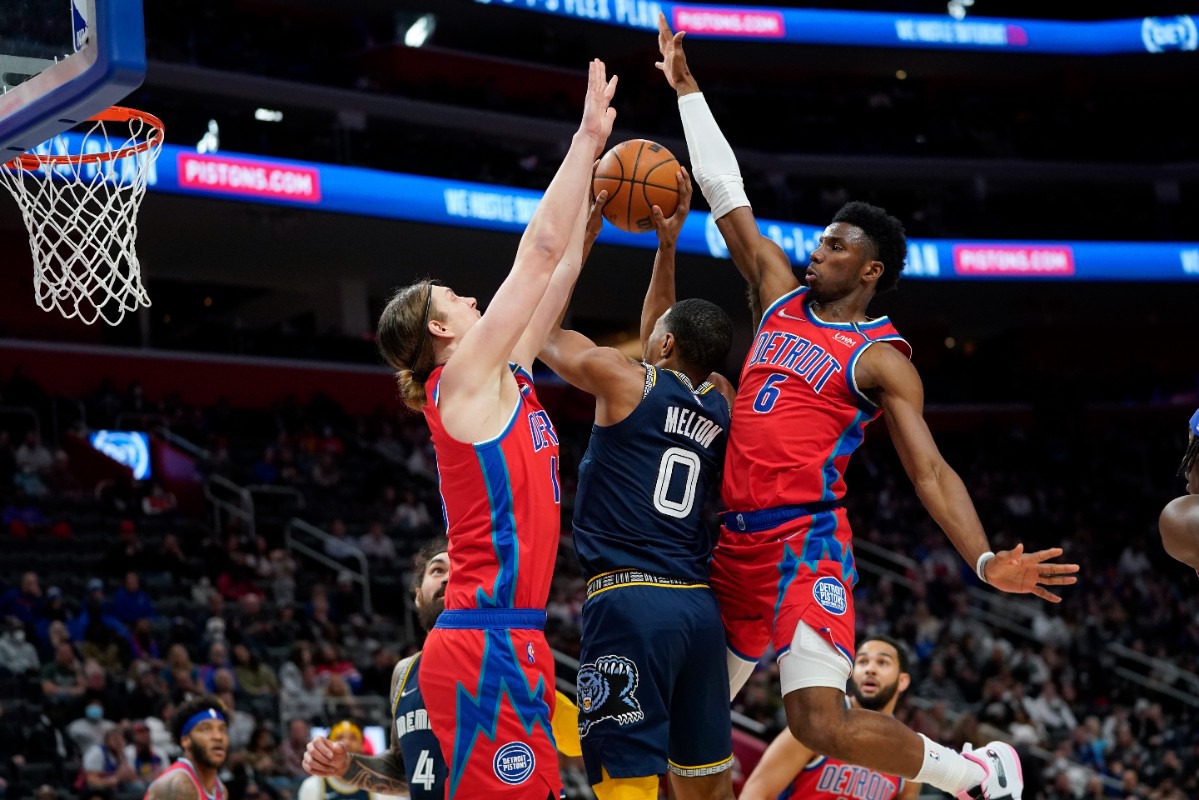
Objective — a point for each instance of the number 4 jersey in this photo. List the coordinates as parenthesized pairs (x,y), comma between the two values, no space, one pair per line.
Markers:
(422,754)
(644,480)
(799,414)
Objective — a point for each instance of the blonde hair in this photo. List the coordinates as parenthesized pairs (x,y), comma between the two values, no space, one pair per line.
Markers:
(402,336)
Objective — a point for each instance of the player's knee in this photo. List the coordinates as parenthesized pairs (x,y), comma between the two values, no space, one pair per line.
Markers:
(816,727)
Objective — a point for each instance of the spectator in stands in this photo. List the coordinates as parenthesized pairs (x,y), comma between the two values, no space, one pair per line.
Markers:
(341,547)
(376,678)
(8,460)
(181,675)
(147,761)
(17,655)
(89,730)
(377,547)
(108,689)
(319,613)
(149,696)
(260,753)
(283,581)
(346,599)
(411,516)
(131,603)
(104,638)
(237,578)
(218,659)
(1051,711)
(254,677)
(61,481)
(33,456)
(25,601)
(105,767)
(143,645)
(128,552)
(241,723)
(159,500)
(170,559)
(291,752)
(304,698)
(325,471)
(62,679)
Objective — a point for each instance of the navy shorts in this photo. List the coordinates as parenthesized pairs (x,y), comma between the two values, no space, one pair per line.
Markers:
(653,683)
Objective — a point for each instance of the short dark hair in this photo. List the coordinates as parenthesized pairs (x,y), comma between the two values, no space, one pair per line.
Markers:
(702,331)
(885,232)
(189,708)
(1188,458)
(440,544)
(905,659)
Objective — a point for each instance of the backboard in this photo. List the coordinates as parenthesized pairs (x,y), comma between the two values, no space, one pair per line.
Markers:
(62,61)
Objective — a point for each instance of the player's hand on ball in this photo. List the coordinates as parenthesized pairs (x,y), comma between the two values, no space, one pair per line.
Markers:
(326,759)
(1029,573)
(669,228)
(595,219)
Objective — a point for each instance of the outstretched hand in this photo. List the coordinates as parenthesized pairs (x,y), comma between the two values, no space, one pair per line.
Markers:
(1029,573)
(669,228)
(326,759)
(674,61)
(598,114)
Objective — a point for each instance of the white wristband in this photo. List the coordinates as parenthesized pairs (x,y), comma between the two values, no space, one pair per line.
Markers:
(981,566)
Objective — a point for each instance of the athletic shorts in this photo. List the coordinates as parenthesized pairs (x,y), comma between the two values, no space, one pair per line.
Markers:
(488,681)
(653,680)
(768,580)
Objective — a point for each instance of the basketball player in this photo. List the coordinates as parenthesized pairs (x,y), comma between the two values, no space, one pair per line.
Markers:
(819,370)
(489,679)
(414,763)
(788,769)
(652,685)
(200,728)
(330,787)
(1179,521)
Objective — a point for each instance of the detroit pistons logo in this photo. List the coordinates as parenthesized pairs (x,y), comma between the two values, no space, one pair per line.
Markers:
(607,691)
(830,595)
(514,763)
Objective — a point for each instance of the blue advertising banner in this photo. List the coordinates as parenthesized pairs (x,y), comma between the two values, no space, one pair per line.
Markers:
(438,201)
(882,29)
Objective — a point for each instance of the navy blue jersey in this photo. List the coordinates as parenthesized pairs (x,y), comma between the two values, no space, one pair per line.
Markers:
(643,482)
(423,760)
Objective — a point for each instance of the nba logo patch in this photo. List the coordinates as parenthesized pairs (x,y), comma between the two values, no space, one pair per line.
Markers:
(830,594)
(514,763)
(529,650)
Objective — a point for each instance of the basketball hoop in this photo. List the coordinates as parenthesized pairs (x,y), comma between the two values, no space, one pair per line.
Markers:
(81,212)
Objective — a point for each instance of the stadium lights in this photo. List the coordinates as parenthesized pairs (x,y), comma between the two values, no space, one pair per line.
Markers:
(419,32)
(957,8)
(268,115)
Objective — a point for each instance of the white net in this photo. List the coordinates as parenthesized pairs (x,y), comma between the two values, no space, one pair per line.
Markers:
(79,201)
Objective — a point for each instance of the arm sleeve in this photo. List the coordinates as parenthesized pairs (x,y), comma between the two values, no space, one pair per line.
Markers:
(712,161)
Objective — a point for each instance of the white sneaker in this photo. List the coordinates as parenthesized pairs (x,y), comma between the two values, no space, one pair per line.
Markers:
(1004,776)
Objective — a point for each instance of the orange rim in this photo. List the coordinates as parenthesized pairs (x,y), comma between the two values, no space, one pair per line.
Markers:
(33,161)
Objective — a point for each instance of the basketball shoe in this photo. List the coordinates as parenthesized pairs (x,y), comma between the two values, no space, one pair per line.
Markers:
(1004,777)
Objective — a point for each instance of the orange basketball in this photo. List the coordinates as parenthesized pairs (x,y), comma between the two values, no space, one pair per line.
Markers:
(638,175)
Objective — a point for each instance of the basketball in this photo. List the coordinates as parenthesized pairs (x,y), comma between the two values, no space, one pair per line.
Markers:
(638,174)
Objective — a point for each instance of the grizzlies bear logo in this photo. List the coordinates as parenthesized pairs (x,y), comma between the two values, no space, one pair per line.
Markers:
(606,690)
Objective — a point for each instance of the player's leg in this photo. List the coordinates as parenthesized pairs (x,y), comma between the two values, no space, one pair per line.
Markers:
(743,577)
(701,743)
(631,644)
(813,675)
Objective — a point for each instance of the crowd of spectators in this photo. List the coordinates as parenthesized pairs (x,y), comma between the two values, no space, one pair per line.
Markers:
(156,603)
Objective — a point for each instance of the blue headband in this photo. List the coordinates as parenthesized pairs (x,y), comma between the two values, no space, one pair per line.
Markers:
(203,716)
(1195,423)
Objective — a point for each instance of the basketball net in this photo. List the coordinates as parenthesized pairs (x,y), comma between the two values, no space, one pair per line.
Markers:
(81,213)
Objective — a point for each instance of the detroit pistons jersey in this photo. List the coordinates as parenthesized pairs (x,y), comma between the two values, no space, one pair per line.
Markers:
(643,482)
(799,414)
(829,779)
(501,502)
(423,761)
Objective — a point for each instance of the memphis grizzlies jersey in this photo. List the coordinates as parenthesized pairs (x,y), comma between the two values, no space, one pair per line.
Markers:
(643,482)
(423,760)
(331,792)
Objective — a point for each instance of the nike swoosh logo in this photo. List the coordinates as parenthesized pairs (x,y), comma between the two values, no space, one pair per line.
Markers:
(406,692)
(1000,773)
(783,313)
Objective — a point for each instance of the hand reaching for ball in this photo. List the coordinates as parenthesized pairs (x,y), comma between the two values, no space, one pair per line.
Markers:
(669,228)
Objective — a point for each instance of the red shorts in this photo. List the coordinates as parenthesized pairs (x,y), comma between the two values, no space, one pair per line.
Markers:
(490,696)
(768,581)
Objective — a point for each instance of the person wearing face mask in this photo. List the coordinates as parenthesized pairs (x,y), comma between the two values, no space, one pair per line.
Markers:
(88,731)
(16,654)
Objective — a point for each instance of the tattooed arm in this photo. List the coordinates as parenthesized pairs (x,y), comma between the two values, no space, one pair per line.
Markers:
(382,774)
(175,785)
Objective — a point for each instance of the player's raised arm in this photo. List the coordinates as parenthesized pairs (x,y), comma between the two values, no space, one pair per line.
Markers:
(777,768)
(660,294)
(485,350)
(887,374)
(761,262)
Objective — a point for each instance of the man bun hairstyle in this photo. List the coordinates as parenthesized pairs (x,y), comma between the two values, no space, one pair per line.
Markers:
(885,232)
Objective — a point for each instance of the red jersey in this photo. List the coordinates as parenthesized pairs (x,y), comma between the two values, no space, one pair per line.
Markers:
(501,502)
(830,779)
(183,765)
(799,415)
